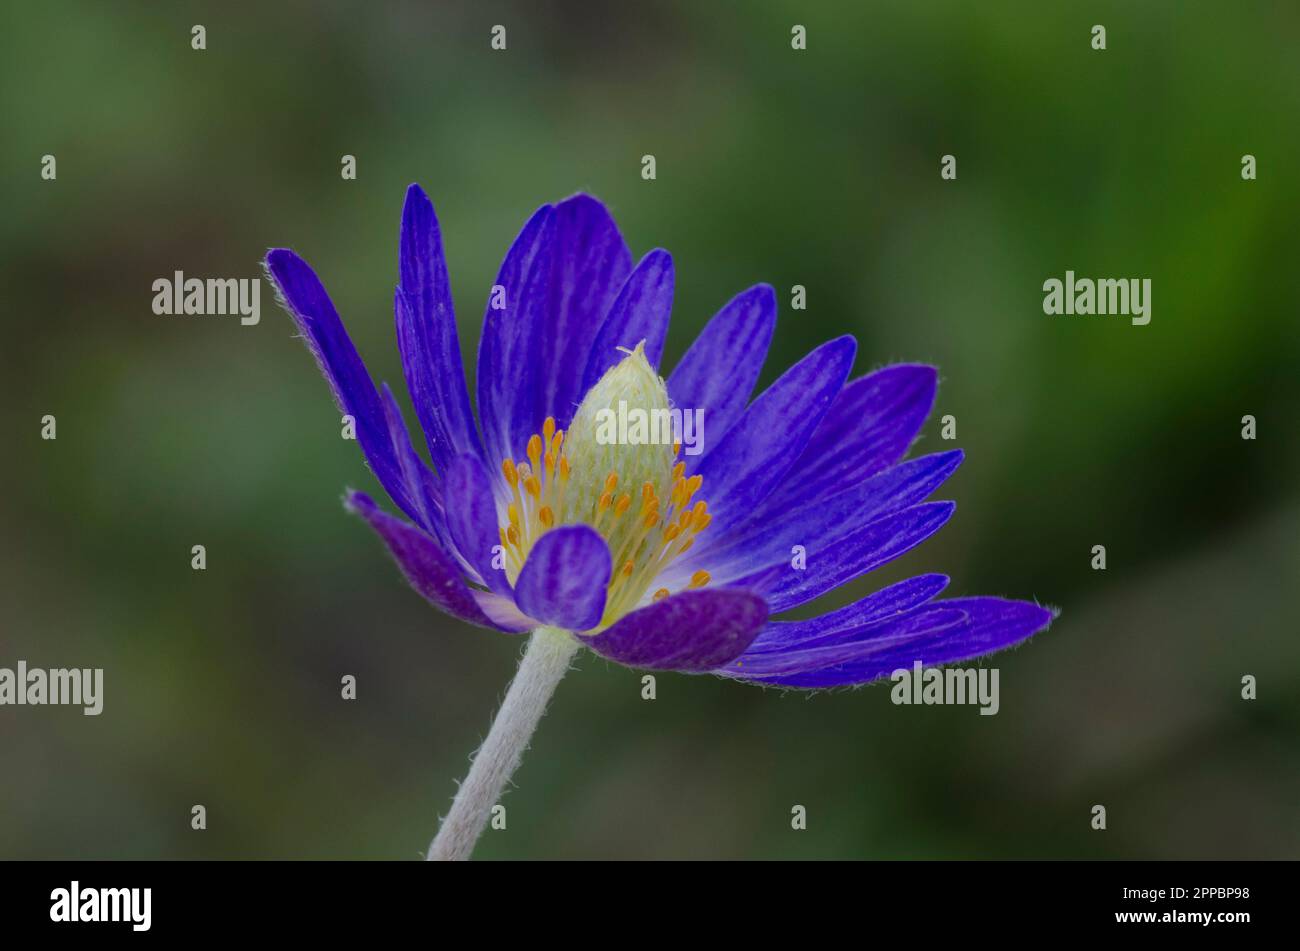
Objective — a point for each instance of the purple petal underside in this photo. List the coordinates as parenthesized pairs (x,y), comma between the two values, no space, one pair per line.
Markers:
(433,573)
(563,581)
(692,631)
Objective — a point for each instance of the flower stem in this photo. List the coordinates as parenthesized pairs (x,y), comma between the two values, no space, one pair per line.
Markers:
(544,665)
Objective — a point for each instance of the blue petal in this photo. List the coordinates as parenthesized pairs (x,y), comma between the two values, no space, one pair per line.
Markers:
(640,312)
(911,629)
(563,581)
(830,562)
(472,519)
(508,353)
(422,486)
(718,372)
(870,426)
(851,621)
(754,456)
(312,310)
(987,625)
(590,264)
(762,542)
(692,631)
(426,335)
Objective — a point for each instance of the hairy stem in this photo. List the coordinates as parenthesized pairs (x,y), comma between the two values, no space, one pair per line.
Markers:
(544,665)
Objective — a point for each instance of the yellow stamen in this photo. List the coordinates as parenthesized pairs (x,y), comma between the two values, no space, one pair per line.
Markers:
(663,527)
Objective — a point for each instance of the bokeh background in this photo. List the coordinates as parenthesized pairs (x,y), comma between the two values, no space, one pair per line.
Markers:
(818,168)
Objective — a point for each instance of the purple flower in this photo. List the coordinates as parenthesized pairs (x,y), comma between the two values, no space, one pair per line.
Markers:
(653,554)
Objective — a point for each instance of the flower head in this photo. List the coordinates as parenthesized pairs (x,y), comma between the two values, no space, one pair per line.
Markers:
(654,550)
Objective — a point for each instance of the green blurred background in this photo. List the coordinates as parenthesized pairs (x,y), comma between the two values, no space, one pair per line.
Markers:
(818,168)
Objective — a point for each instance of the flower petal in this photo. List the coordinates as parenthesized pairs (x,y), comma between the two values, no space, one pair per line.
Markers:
(507,352)
(990,624)
(426,335)
(563,581)
(422,485)
(830,562)
(472,519)
(718,372)
(852,620)
(640,312)
(591,263)
(755,454)
(869,427)
(692,631)
(908,630)
(429,569)
(767,541)
(304,297)
(503,612)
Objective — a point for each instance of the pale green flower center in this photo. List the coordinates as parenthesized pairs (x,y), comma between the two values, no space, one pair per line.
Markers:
(615,469)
